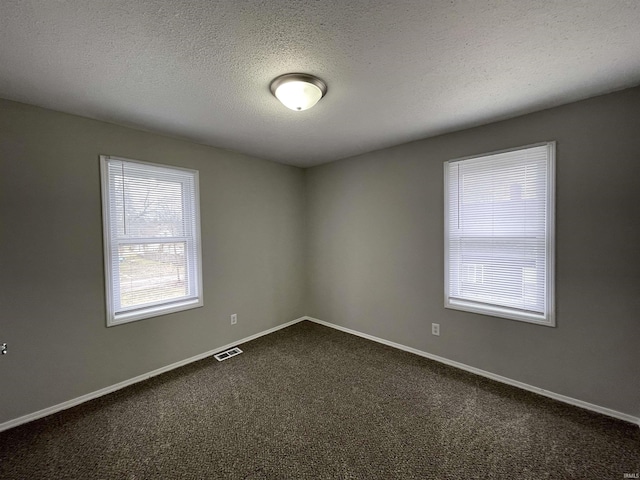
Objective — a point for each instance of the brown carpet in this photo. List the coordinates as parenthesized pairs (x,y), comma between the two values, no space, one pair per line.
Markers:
(310,402)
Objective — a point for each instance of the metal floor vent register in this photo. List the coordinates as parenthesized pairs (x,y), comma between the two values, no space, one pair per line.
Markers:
(232,352)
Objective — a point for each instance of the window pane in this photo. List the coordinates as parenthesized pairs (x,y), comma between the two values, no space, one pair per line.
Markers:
(151,272)
(508,272)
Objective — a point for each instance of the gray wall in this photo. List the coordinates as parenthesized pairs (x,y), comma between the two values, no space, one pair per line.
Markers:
(52,308)
(358,243)
(375,246)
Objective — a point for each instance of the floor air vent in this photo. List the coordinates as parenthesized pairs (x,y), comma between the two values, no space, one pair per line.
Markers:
(232,352)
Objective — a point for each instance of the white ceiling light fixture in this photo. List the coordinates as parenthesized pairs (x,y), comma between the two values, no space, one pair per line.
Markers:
(298,91)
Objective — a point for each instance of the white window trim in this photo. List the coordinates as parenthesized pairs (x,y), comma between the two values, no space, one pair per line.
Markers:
(549,318)
(162,308)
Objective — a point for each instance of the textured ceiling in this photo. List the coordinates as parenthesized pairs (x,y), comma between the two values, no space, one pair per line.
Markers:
(396,70)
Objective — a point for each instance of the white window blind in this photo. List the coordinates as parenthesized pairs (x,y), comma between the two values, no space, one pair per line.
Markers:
(151,239)
(499,219)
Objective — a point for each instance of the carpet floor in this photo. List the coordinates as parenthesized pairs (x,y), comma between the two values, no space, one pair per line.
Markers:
(310,402)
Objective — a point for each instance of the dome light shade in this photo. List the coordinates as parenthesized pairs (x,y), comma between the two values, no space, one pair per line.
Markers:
(298,91)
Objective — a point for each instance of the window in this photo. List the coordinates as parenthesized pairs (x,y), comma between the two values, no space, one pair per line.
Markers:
(151,239)
(499,234)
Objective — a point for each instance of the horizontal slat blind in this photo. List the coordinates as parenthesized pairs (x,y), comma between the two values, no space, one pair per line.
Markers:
(498,237)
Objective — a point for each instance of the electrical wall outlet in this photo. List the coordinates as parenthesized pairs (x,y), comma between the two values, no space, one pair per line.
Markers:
(435,329)
(234,319)
(3,349)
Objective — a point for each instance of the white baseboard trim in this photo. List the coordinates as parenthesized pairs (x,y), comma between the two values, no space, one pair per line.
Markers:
(104,391)
(484,373)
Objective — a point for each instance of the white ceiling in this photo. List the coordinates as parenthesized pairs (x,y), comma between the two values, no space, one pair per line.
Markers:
(396,70)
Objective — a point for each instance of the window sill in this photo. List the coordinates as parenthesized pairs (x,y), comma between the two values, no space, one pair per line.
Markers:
(155,311)
(501,312)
